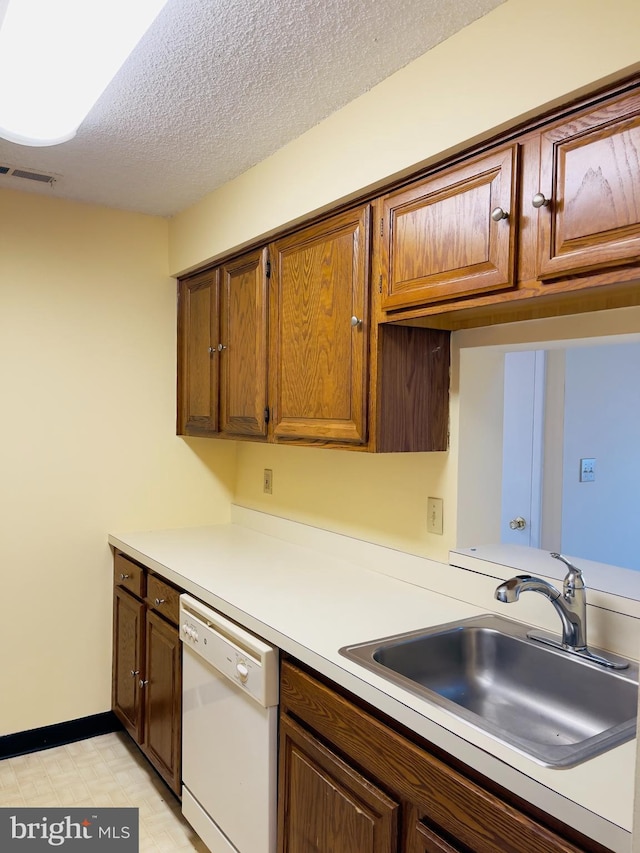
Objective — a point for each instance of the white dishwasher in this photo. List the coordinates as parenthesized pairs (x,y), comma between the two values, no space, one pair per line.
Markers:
(229,732)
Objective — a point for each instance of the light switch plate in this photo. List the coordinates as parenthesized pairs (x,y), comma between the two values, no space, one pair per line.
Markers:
(587,470)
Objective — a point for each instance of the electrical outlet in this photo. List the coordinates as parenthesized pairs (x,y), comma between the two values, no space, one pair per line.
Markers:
(587,470)
(267,481)
(434,515)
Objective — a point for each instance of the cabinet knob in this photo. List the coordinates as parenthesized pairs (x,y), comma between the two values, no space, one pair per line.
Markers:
(124,577)
(159,601)
(212,350)
(355,321)
(221,347)
(142,683)
(135,672)
(539,200)
(498,213)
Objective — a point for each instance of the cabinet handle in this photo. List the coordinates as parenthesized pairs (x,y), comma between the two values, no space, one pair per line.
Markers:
(142,683)
(159,601)
(124,577)
(135,672)
(212,350)
(221,347)
(355,321)
(498,213)
(539,200)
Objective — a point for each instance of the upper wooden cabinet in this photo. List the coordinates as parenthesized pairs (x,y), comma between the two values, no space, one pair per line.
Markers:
(197,346)
(222,349)
(589,214)
(453,234)
(319,330)
(243,338)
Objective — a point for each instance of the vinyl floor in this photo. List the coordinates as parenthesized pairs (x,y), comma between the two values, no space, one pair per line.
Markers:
(103,771)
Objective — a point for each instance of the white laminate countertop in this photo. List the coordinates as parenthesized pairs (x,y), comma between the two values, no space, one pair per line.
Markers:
(308,601)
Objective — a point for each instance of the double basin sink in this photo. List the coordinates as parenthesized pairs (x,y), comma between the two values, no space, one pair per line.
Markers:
(549,704)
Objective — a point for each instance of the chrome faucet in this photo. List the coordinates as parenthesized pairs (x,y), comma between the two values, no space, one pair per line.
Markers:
(570,604)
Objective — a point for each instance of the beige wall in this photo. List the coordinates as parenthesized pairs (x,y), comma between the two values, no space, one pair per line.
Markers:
(502,67)
(87,441)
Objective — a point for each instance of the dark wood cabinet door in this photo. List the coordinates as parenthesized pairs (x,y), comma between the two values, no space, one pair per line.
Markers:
(128,659)
(243,336)
(198,355)
(163,699)
(325,806)
(443,238)
(590,177)
(319,324)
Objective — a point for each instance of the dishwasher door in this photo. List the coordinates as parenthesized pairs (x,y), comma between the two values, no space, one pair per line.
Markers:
(229,732)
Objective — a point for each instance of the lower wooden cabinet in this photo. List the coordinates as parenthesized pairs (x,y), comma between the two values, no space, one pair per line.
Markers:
(147,668)
(349,783)
(163,699)
(328,805)
(128,654)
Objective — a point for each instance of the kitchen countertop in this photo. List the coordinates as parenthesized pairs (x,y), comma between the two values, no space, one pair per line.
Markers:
(307,600)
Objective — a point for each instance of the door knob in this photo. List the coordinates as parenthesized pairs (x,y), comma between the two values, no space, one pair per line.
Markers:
(517,523)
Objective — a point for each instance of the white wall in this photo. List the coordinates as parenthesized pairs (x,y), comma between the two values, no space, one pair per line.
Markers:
(602,421)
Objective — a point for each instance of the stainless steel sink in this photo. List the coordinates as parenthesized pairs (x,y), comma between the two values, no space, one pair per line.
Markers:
(550,705)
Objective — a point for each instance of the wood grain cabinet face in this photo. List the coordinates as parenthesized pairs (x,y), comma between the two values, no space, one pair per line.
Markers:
(349,782)
(319,361)
(326,805)
(243,335)
(128,657)
(222,350)
(197,355)
(443,238)
(162,702)
(590,176)
(425,840)
(147,667)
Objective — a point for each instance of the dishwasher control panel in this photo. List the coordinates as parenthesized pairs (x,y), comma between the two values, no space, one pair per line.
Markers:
(230,649)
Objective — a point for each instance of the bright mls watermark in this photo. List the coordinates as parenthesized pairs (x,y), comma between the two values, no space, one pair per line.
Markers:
(111,830)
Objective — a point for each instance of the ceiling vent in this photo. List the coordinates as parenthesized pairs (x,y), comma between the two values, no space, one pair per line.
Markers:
(27,174)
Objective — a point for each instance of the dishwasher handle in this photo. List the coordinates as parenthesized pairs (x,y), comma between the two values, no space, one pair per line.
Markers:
(246,660)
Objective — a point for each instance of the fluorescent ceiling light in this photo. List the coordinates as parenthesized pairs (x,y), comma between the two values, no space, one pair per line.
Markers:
(57,57)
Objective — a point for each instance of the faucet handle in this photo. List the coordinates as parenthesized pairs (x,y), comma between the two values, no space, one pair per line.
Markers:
(574,584)
(573,570)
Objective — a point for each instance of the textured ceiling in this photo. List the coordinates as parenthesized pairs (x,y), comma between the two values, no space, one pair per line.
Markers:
(218,85)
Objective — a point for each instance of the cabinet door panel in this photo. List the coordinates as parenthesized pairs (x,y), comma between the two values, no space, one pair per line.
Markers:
(440,238)
(590,173)
(163,699)
(325,805)
(197,355)
(243,334)
(128,656)
(320,357)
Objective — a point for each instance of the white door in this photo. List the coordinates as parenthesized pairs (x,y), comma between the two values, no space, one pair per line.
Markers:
(523,434)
